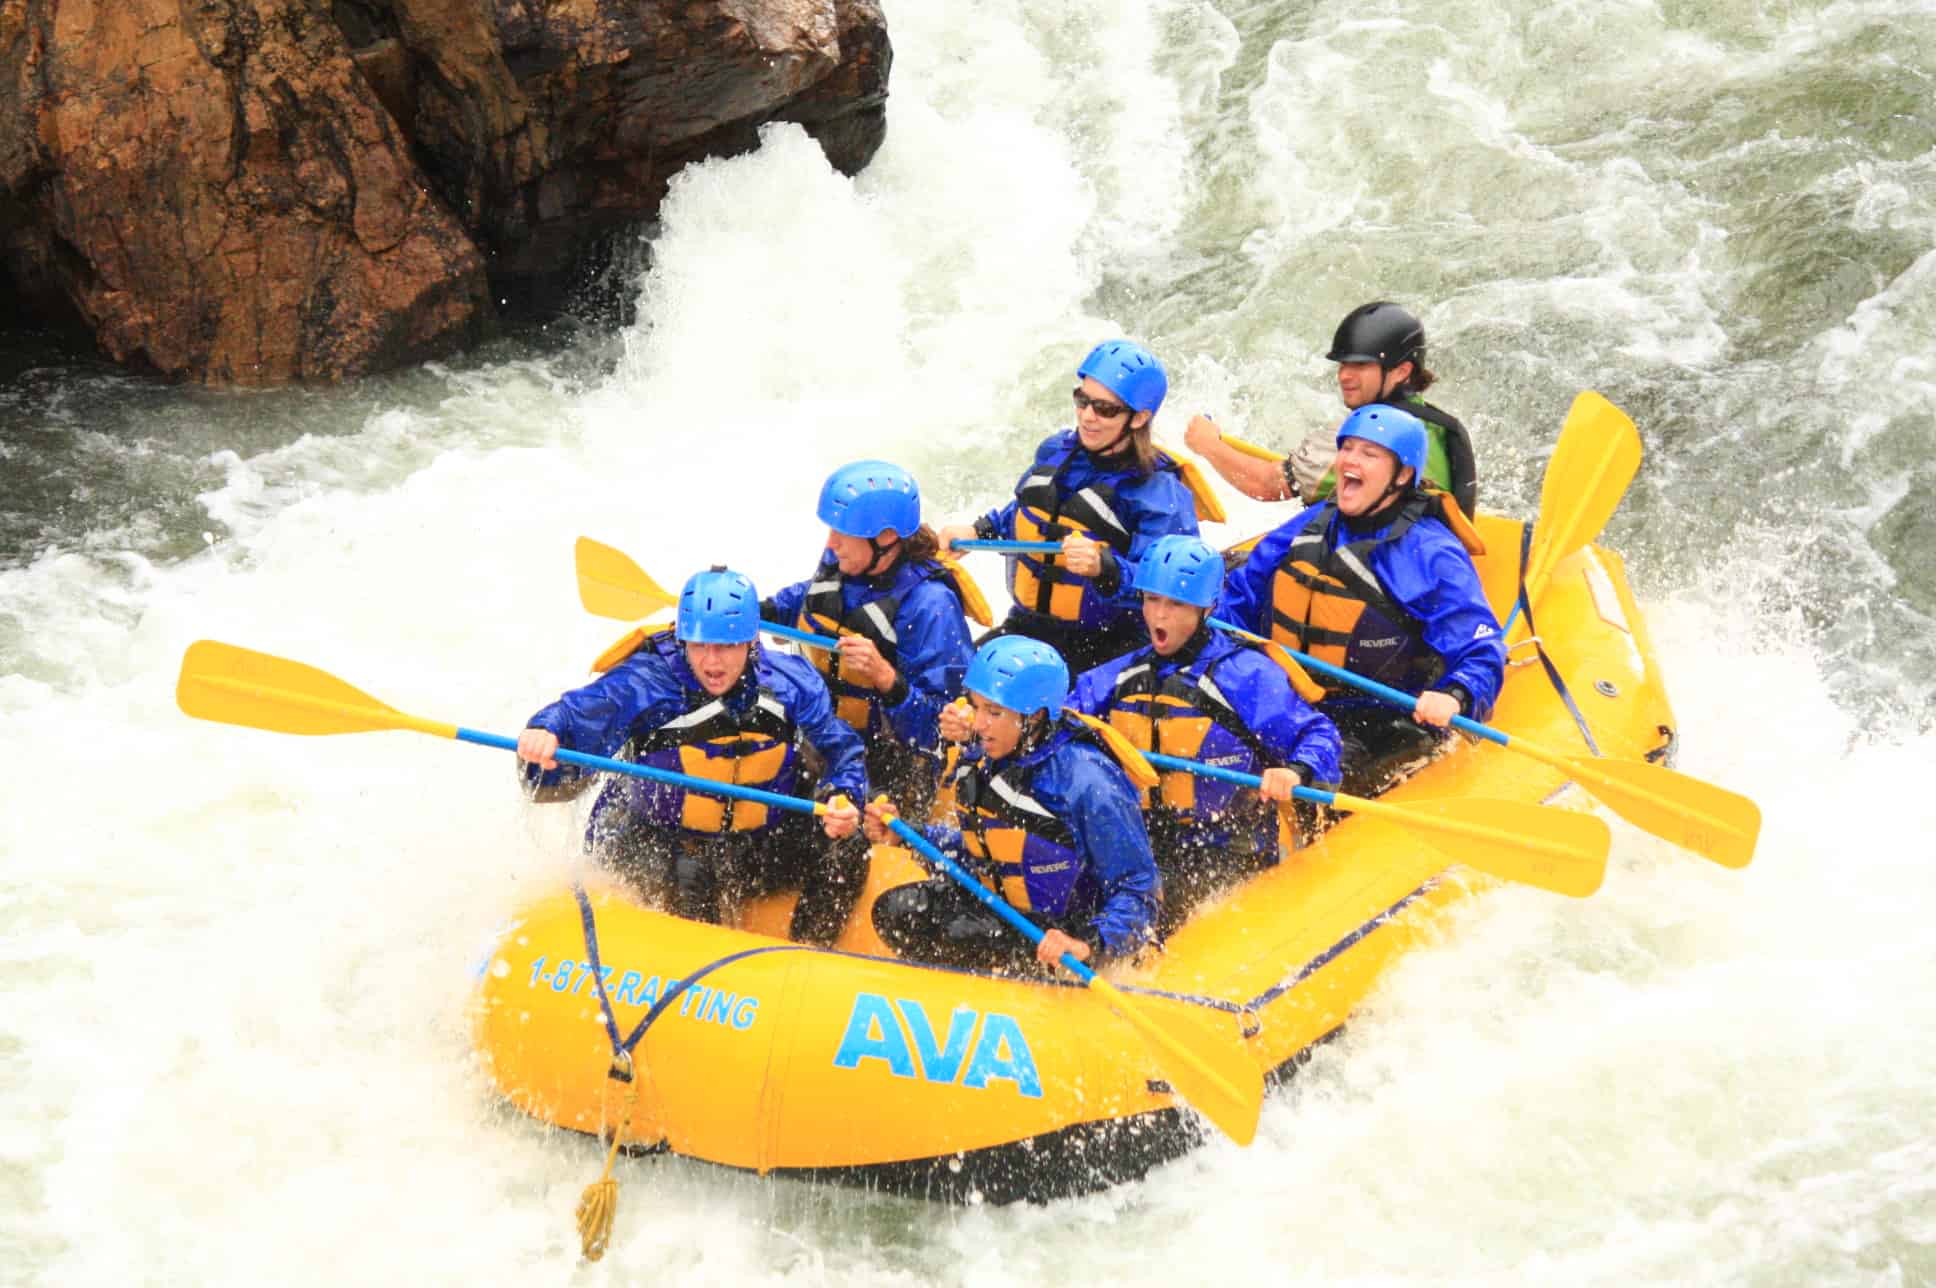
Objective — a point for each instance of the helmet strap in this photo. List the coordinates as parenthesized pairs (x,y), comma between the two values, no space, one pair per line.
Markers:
(891,553)
(1035,727)
(1394,489)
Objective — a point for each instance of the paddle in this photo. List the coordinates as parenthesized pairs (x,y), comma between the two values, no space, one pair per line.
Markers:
(610,584)
(238,686)
(1553,849)
(1252,450)
(1596,458)
(1217,1077)
(1010,547)
(1711,821)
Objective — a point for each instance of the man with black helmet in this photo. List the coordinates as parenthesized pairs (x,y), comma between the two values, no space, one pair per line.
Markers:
(1380,352)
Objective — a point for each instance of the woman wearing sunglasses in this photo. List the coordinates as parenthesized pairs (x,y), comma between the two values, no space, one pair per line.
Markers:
(1104,492)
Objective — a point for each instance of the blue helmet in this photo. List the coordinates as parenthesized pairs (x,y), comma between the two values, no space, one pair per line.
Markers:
(868,497)
(1128,370)
(1021,674)
(1181,568)
(718,606)
(1398,432)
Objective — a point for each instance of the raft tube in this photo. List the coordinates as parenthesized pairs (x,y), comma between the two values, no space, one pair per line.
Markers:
(846,1064)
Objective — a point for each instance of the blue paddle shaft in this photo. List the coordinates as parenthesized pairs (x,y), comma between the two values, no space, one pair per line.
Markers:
(798,803)
(1000,906)
(1012,547)
(1383,692)
(805,637)
(1202,770)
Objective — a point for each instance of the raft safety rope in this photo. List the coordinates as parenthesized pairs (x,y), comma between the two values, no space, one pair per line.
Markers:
(1552,672)
(598,1206)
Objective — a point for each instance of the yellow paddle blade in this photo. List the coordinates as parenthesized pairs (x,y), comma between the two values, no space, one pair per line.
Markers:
(239,686)
(1597,456)
(1252,450)
(1209,508)
(1209,1069)
(611,585)
(1553,849)
(1713,822)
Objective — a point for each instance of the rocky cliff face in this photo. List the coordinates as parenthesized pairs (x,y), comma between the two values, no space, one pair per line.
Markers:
(257,191)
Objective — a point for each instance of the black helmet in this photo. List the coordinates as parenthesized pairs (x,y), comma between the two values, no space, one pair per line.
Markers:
(1379,332)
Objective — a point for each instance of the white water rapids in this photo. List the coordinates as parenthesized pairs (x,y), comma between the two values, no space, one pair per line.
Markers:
(234,965)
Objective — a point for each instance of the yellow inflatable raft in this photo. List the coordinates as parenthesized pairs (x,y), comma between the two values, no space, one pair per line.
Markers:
(848,1064)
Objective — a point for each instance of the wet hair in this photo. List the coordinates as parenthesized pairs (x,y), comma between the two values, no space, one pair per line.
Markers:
(924,544)
(1142,445)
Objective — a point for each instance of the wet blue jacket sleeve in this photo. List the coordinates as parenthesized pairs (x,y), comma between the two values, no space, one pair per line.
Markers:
(945,839)
(1099,805)
(1163,506)
(812,712)
(1430,573)
(1291,729)
(1096,688)
(784,605)
(1246,599)
(932,655)
(597,718)
(999,523)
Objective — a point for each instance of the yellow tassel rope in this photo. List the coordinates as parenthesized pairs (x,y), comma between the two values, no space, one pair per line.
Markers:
(598,1205)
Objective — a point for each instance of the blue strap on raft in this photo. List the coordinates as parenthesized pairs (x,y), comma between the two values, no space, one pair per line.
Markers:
(623,1046)
(1552,672)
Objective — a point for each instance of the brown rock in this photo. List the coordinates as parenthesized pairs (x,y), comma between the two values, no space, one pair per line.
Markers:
(220,195)
(548,125)
(253,191)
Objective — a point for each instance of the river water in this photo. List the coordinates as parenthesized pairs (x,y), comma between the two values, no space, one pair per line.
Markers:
(233,965)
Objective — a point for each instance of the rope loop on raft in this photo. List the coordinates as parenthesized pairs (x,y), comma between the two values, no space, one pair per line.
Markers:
(598,1206)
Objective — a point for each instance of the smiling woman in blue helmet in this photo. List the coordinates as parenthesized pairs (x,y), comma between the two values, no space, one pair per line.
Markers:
(1379,579)
(897,610)
(1203,694)
(1043,813)
(704,699)
(1104,491)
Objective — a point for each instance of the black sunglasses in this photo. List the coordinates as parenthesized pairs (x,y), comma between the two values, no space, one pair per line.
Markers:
(1101,406)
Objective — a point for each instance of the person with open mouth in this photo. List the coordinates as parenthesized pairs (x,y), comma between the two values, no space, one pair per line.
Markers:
(1379,580)
(1203,694)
